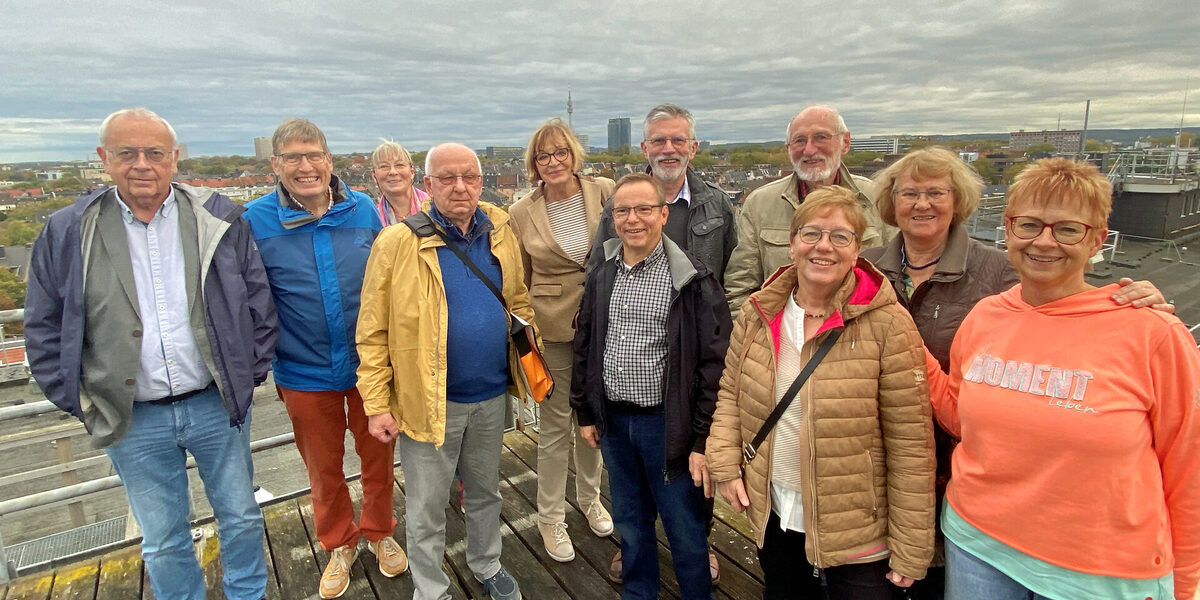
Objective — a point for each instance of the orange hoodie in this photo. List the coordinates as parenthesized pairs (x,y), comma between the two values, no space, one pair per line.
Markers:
(1080,428)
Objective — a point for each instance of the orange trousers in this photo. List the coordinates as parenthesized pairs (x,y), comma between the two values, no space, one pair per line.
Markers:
(320,420)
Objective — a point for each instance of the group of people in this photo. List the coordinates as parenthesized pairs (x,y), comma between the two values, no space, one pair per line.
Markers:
(834,360)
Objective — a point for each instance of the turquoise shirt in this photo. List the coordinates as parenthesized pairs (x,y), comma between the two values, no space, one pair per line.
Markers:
(1043,578)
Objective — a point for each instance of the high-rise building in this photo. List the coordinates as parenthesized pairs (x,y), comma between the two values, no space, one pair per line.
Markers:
(619,135)
(879,143)
(262,148)
(1063,140)
(183,153)
(583,140)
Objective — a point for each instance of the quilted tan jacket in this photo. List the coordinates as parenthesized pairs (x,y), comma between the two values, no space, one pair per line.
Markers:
(869,466)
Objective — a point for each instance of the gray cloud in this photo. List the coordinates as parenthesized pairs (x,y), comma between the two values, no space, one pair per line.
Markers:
(488,73)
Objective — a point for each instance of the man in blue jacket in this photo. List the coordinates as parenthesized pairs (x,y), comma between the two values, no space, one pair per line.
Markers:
(315,235)
(148,317)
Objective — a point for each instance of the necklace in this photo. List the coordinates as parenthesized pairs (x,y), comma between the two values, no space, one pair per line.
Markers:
(910,266)
(809,315)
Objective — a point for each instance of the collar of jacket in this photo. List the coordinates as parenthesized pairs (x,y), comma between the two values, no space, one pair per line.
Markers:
(859,292)
(950,267)
(291,217)
(683,270)
(791,191)
(422,224)
(697,187)
(480,224)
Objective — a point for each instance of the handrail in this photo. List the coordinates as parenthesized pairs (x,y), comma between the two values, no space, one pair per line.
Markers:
(32,409)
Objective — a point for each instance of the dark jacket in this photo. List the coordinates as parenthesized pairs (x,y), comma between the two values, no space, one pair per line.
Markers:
(239,315)
(967,272)
(712,233)
(698,327)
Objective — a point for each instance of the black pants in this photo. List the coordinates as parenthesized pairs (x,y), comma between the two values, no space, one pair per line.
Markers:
(789,576)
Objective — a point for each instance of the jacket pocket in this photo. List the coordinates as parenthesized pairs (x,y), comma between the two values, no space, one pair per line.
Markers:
(708,226)
(546,289)
(870,483)
(775,249)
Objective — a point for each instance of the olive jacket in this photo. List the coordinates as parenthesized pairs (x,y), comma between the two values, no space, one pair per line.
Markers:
(869,465)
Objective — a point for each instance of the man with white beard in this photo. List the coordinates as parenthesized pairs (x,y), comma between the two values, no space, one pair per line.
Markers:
(700,218)
(816,139)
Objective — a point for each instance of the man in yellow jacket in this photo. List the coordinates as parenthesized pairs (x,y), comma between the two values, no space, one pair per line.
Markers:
(435,363)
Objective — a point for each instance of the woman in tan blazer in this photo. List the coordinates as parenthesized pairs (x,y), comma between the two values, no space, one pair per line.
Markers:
(555,226)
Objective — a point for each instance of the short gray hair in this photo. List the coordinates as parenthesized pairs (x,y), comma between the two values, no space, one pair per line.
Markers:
(389,149)
(297,129)
(141,113)
(433,150)
(669,111)
(837,116)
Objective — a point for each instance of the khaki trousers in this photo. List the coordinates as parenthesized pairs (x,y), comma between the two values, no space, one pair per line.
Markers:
(557,432)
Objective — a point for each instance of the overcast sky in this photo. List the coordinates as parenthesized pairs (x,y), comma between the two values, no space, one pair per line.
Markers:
(488,73)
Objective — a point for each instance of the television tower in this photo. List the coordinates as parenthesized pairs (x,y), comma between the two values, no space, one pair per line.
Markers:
(570,109)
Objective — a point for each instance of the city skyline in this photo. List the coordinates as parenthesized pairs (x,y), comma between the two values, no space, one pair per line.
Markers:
(488,74)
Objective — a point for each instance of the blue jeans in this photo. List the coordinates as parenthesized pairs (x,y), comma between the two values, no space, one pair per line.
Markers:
(969,578)
(634,448)
(151,461)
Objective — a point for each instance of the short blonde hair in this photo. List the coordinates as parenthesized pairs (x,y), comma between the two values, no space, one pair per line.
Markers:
(925,164)
(554,131)
(828,198)
(1059,182)
(389,150)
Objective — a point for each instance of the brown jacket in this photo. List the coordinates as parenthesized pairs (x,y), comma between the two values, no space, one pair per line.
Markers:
(555,281)
(868,468)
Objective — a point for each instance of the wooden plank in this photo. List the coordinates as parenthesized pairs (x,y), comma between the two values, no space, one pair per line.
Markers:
(581,578)
(120,574)
(66,455)
(273,592)
(295,564)
(83,463)
(45,434)
(400,586)
(359,586)
(31,587)
(208,554)
(76,581)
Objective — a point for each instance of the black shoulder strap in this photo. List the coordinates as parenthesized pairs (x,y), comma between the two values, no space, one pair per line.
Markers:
(751,449)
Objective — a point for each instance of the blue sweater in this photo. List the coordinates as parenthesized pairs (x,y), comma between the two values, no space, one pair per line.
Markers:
(477,332)
(316,271)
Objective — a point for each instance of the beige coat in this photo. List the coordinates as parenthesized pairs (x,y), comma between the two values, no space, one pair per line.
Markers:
(763,235)
(403,319)
(867,466)
(555,281)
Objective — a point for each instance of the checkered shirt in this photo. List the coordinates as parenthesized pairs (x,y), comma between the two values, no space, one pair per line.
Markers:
(635,346)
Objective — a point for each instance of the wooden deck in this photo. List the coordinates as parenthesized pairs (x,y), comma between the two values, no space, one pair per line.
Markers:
(295,559)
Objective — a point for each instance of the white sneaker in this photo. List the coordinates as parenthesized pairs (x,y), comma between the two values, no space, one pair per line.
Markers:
(599,520)
(558,543)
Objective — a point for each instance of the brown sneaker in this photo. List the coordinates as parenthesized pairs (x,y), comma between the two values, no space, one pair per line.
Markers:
(557,542)
(336,577)
(614,568)
(599,521)
(392,560)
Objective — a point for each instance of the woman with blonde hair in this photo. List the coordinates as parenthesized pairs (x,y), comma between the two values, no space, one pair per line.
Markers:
(393,171)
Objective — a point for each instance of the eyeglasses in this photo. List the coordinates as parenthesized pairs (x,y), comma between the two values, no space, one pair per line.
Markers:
(1067,233)
(292,159)
(933,195)
(661,141)
(129,154)
(811,234)
(468,179)
(385,167)
(642,210)
(559,154)
(818,139)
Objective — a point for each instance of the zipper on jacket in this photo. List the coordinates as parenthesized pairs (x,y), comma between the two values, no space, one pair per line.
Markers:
(812,459)
(871,486)
(936,308)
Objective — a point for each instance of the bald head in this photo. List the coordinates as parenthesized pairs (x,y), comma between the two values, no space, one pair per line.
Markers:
(448,149)
(454,180)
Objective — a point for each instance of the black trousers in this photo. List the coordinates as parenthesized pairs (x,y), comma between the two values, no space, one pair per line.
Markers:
(788,575)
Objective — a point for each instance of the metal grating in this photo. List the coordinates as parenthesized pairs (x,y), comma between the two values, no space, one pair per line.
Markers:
(40,552)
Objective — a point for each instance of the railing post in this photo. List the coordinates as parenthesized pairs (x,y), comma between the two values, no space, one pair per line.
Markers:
(66,456)
(8,570)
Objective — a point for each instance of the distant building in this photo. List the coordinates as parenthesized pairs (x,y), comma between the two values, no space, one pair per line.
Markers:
(1063,140)
(504,152)
(262,148)
(583,139)
(619,131)
(183,153)
(49,175)
(969,157)
(884,144)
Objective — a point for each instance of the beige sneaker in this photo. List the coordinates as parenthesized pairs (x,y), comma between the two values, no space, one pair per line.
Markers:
(599,520)
(557,542)
(392,560)
(336,577)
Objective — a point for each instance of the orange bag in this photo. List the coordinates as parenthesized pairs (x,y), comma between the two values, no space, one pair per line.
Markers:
(534,370)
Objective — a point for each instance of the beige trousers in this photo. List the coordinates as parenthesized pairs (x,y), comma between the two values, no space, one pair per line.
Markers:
(558,431)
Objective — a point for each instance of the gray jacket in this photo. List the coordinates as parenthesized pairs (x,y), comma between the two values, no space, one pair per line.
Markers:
(237,317)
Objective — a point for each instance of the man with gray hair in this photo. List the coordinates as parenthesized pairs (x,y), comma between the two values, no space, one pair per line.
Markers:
(701,219)
(315,235)
(433,337)
(148,317)
(817,138)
